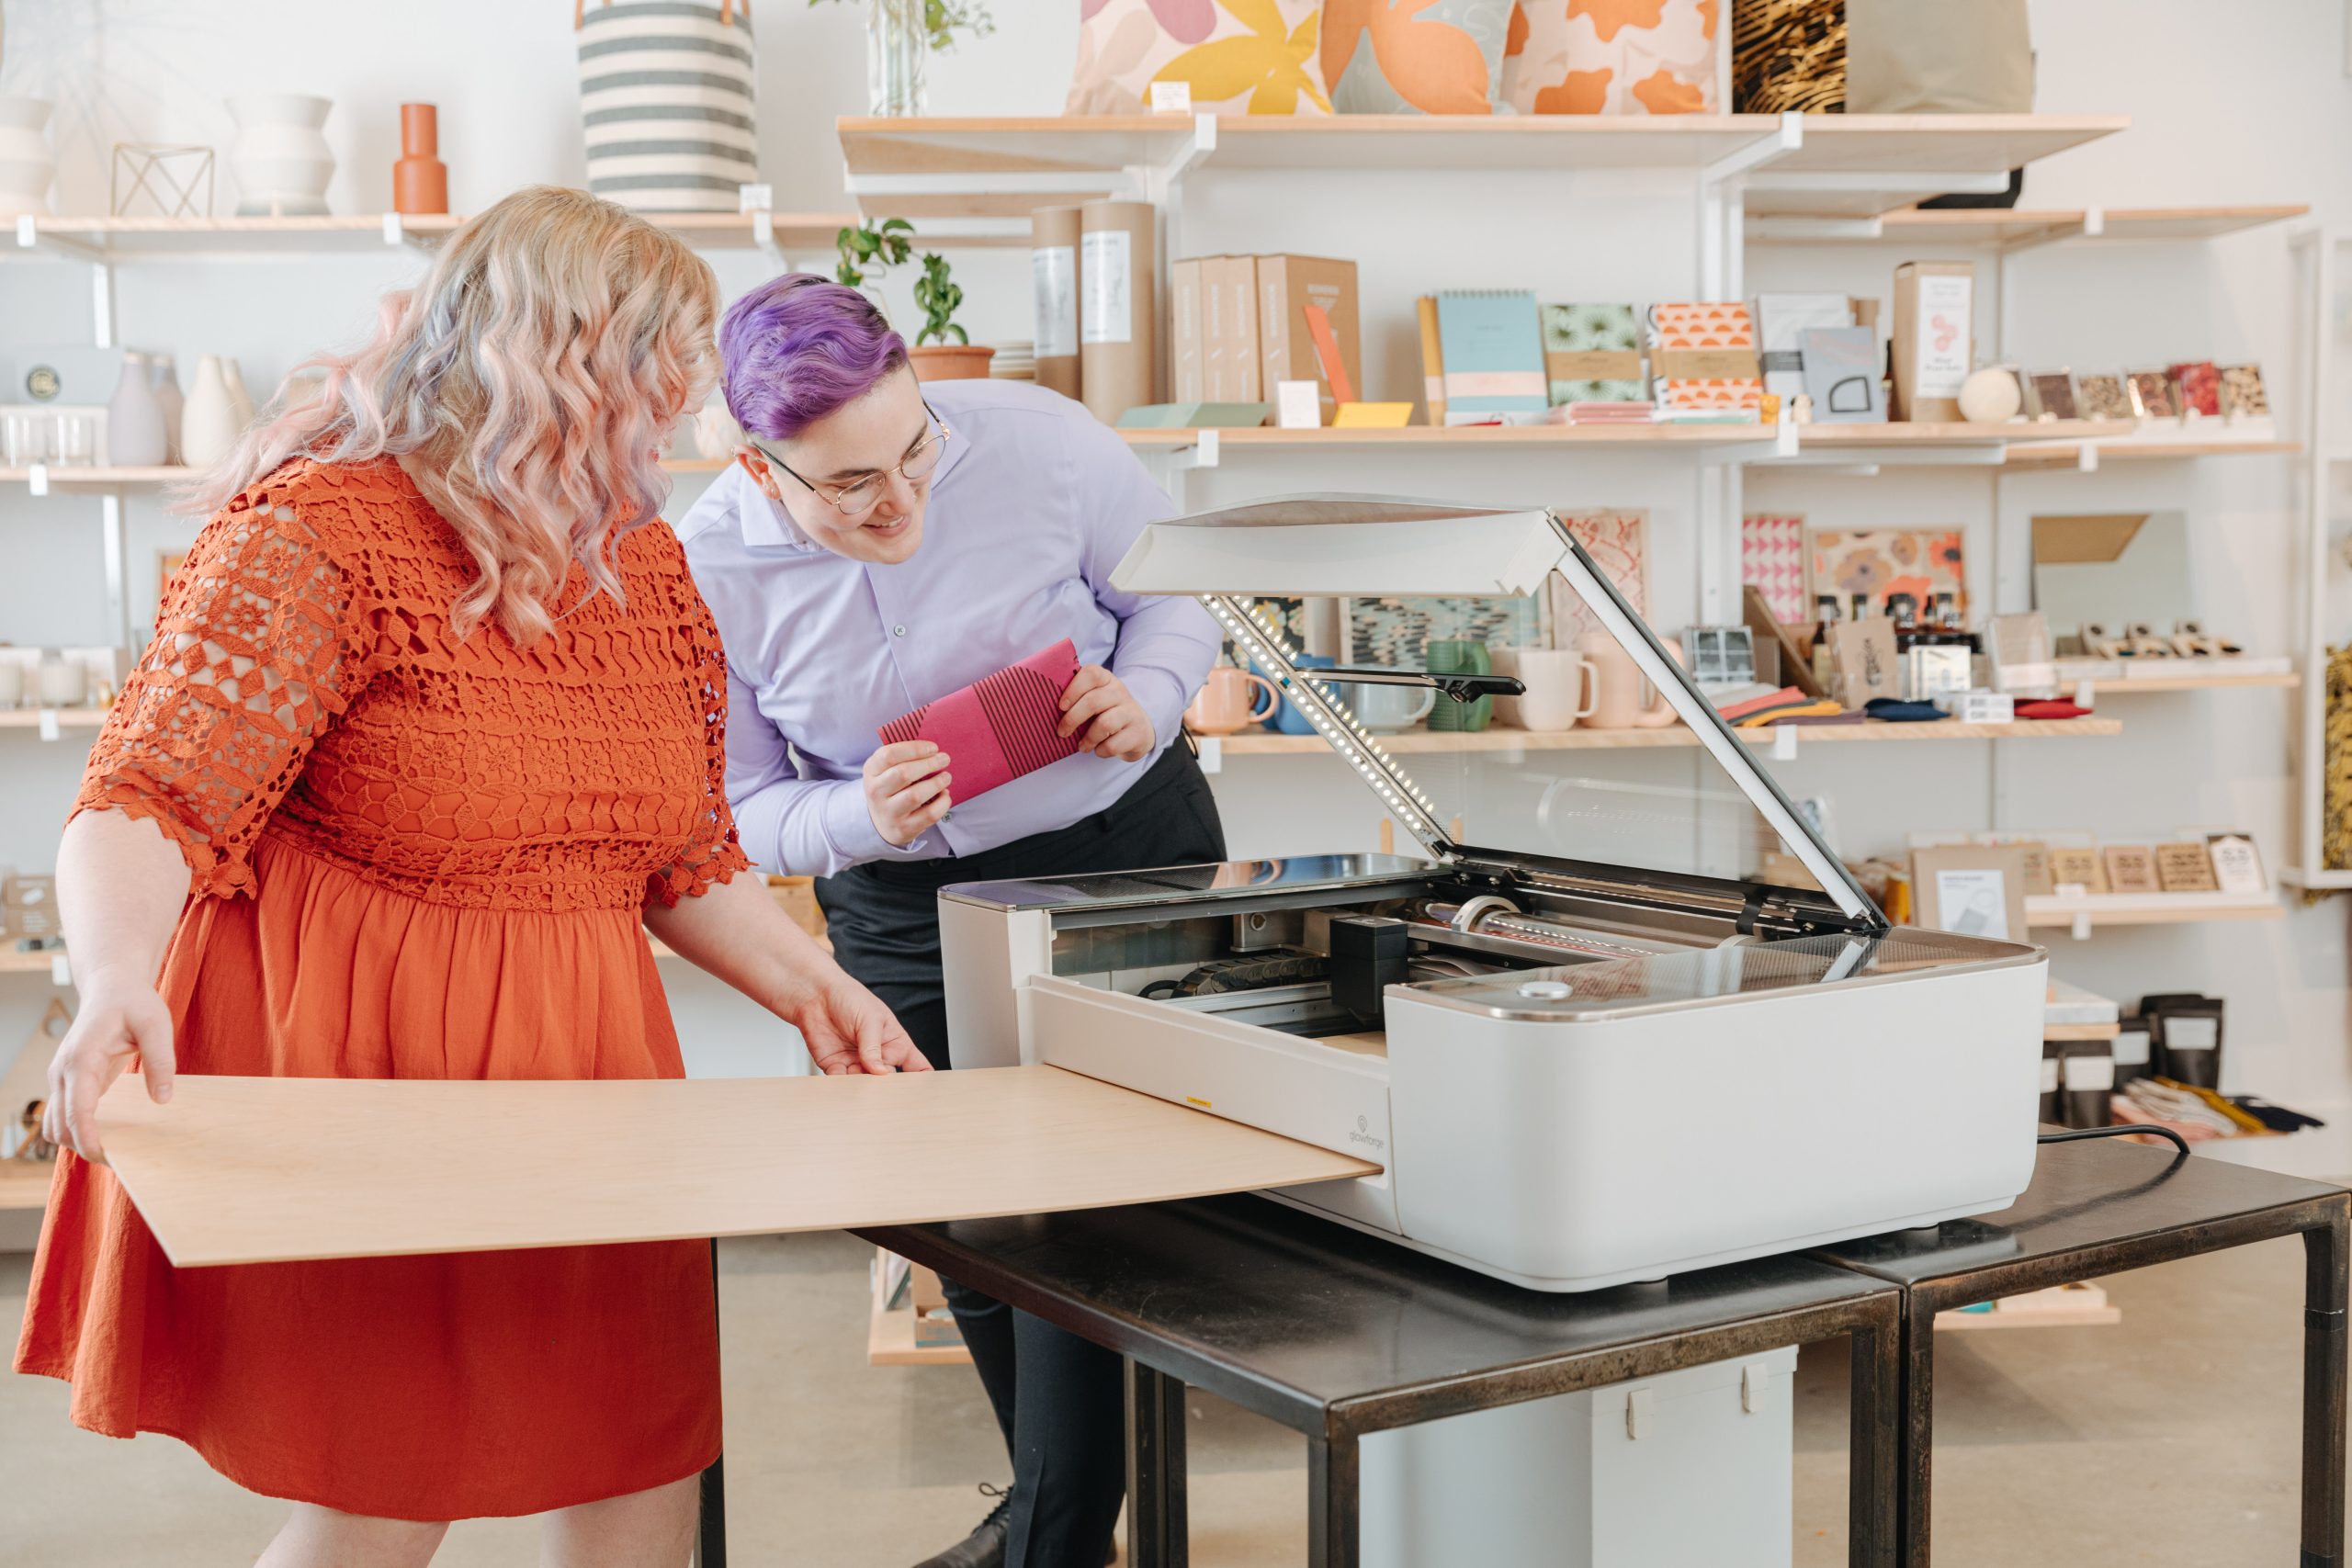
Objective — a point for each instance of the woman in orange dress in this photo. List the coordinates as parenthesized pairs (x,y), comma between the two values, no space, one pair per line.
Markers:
(431,726)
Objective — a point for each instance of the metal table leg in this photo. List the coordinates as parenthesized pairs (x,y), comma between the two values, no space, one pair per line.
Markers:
(710,1536)
(2323,1393)
(1158,1530)
(1333,1514)
(1873,1447)
(1917,1441)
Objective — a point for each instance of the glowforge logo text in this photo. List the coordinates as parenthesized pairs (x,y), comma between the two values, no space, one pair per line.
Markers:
(1363,1135)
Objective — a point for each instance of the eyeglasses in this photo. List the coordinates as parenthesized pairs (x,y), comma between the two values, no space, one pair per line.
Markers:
(857,500)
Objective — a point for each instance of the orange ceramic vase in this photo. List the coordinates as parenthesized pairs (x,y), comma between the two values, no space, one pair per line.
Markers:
(420,180)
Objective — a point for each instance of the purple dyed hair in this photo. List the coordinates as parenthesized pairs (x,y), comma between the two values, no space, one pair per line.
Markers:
(797,348)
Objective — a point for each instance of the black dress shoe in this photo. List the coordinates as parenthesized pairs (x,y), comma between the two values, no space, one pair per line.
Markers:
(984,1548)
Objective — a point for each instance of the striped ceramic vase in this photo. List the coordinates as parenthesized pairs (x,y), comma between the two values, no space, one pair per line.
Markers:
(666,98)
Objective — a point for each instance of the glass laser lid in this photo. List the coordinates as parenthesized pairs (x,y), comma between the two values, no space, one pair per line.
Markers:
(1627,765)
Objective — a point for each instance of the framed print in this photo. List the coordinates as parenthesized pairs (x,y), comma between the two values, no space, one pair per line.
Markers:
(1971,889)
(1616,539)
(2151,395)
(2050,394)
(2103,397)
(1771,562)
(1881,563)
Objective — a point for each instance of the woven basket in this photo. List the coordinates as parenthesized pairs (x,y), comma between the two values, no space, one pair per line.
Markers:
(666,101)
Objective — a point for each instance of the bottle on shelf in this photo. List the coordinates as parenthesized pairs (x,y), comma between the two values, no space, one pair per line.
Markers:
(167,394)
(135,437)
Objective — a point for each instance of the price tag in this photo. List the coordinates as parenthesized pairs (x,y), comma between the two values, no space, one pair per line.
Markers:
(49,730)
(756,198)
(1298,405)
(1171,98)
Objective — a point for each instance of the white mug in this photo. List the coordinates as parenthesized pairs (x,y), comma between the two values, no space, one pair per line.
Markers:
(1390,707)
(1563,686)
(64,684)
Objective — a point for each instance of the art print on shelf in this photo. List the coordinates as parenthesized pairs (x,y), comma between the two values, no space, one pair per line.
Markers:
(2152,396)
(1772,559)
(1879,563)
(2050,394)
(1617,544)
(2103,397)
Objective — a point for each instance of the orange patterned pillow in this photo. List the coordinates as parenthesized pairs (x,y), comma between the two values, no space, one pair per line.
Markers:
(1613,57)
(1414,56)
(1239,56)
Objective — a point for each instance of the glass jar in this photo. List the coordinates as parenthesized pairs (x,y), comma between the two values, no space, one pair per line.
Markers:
(894,46)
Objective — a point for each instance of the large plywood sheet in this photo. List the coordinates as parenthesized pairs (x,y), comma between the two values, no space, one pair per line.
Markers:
(256,1171)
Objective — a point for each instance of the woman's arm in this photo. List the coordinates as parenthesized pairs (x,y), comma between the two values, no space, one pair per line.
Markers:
(120,884)
(735,930)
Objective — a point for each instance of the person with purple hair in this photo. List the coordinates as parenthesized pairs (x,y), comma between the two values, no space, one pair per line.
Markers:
(876,545)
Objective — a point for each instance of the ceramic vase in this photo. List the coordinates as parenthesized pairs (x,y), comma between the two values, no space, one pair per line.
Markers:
(209,424)
(25,162)
(135,437)
(240,400)
(420,180)
(169,398)
(281,161)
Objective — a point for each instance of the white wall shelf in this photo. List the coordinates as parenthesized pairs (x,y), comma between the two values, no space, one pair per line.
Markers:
(2195,683)
(24,1185)
(196,239)
(2133,449)
(2085,915)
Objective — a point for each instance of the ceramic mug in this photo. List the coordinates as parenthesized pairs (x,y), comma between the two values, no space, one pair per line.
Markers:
(1387,709)
(64,684)
(1225,705)
(1621,689)
(1563,686)
(1461,656)
(1288,720)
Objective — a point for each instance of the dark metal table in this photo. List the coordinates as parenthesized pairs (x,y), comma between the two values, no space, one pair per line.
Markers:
(1337,1335)
(2098,1208)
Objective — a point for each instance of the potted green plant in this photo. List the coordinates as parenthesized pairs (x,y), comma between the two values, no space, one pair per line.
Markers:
(940,352)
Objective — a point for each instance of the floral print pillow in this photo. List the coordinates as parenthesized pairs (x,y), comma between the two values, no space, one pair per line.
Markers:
(1239,56)
(1414,56)
(1613,57)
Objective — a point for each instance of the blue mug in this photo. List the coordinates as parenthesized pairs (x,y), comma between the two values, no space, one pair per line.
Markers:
(1288,719)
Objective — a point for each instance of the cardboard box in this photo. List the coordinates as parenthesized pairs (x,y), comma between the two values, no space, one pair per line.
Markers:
(1230,286)
(1188,368)
(1286,285)
(1934,305)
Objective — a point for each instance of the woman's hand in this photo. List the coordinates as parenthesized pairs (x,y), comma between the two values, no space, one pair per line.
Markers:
(1115,724)
(849,1031)
(906,790)
(118,1021)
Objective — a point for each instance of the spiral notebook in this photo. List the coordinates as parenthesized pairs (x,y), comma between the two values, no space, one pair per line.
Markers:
(1001,726)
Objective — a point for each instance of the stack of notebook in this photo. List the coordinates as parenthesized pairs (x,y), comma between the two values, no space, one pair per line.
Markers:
(1704,363)
(1483,357)
(1592,357)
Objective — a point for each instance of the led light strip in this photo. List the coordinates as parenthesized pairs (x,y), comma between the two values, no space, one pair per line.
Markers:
(1266,644)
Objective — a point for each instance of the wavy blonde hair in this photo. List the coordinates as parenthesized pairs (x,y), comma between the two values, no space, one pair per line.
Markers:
(532,379)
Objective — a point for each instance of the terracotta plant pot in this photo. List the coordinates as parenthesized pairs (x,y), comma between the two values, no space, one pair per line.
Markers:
(950,361)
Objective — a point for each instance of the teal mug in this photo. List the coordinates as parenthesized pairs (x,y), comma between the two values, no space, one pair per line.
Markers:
(1461,656)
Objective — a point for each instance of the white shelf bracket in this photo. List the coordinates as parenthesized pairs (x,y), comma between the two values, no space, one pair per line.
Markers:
(2086,458)
(28,235)
(36,480)
(2094,222)
(1721,205)
(1784,743)
(2081,929)
(395,231)
(764,238)
(1205,452)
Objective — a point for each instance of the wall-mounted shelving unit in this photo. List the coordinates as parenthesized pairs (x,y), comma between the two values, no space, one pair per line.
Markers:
(117,239)
(2009,230)
(1262,743)
(2084,915)
(2217,682)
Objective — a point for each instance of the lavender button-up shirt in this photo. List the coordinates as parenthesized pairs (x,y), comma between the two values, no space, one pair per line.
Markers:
(1032,505)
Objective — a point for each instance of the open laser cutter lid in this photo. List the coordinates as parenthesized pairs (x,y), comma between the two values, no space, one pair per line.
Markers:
(1668,839)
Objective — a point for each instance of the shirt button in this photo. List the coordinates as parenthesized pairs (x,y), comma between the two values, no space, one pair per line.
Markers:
(948,815)
(898,631)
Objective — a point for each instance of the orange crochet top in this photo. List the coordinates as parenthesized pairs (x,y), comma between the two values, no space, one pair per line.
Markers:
(304,683)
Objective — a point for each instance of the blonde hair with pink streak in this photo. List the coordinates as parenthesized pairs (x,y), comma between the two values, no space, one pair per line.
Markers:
(531,381)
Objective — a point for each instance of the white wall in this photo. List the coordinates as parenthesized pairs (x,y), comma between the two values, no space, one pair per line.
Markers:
(504,76)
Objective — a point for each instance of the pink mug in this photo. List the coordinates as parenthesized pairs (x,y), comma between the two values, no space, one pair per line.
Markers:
(1226,701)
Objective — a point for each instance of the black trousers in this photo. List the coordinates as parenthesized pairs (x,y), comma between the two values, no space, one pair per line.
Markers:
(1058,1398)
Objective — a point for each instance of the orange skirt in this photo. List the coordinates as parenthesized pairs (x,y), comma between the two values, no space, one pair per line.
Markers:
(411,1388)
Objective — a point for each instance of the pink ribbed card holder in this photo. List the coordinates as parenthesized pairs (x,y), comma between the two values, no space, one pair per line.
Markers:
(1000,727)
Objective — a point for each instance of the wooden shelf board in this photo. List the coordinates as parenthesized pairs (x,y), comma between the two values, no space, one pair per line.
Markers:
(101,478)
(2194,684)
(24,1185)
(2018,228)
(1265,744)
(1910,151)
(68,718)
(357,234)
(2152,908)
(2066,454)
(15,963)
(2081,1031)
(1922,435)
(1459,437)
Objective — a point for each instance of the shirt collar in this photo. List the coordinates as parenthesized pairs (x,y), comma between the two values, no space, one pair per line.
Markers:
(768,524)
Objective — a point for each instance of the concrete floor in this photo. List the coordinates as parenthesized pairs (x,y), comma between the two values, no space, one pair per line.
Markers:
(2168,1438)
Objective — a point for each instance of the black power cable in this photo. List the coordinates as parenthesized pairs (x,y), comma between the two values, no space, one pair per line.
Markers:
(2120,1130)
